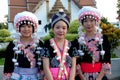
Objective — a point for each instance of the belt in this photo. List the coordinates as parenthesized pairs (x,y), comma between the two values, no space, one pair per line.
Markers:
(24,71)
(89,67)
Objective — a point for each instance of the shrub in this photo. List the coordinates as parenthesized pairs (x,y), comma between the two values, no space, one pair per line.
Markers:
(8,39)
(46,37)
(2,52)
(112,33)
(71,37)
(51,33)
(4,33)
(74,27)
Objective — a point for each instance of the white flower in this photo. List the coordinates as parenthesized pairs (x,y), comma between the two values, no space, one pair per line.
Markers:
(14,60)
(19,45)
(18,52)
(52,44)
(58,58)
(15,48)
(101,41)
(34,45)
(39,48)
(16,63)
(67,47)
(96,38)
(63,61)
(39,63)
(38,52)
(37,41)
(66,53)
(39,59)
(54,51)
(15,41)
(81,40)
(61,68)
(100,30)
(80,52)
(31,63)
(102,52)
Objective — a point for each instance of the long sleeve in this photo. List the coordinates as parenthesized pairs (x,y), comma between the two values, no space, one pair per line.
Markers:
(9,53)
(106,47)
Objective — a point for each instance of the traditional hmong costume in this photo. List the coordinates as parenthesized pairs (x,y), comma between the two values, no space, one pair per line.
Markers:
(60,60)
(92,63)
(95,52)
(24,61)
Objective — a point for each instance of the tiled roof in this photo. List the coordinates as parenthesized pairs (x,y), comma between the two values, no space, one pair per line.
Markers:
(81,3)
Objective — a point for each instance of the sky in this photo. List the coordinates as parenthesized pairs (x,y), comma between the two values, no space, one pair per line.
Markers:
(108,9)
(3,9)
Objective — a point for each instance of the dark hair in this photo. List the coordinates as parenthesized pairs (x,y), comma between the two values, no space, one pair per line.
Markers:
(27,23)
(86,16)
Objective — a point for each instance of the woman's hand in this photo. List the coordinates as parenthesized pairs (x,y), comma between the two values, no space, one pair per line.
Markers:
(79,72)
(82,77)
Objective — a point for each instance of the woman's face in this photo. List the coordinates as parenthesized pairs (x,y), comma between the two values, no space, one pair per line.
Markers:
(89,24)
(26,30)
(60,29)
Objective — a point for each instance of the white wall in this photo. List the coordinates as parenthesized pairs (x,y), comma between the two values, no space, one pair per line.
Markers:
(41,15)
(74,11)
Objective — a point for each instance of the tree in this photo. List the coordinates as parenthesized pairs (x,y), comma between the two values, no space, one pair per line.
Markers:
(5,35)
(112,33)
(118,6)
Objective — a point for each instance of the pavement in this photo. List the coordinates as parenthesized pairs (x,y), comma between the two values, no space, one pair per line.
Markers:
(117,51)
(1,72)
(115,71)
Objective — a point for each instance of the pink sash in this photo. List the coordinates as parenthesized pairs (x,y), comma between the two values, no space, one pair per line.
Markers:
(61,57)
(54,72)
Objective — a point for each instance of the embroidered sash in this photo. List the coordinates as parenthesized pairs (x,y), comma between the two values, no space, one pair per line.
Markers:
(61,57)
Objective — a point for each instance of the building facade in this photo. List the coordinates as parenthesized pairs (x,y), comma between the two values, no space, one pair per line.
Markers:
(44,9)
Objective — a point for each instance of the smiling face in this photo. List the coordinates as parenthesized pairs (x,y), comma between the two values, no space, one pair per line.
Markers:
(60,29)
(89,24)
(26,30)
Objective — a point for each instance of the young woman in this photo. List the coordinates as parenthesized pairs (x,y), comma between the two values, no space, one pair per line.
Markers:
(23,55)
(93,47)
(59,61)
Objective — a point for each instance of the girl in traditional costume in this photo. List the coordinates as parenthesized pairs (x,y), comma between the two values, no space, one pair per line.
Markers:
(23,55)
(59,61)
(93,47)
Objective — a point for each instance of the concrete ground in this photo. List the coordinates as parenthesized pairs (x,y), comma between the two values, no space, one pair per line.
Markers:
(1,72)
(115,69)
